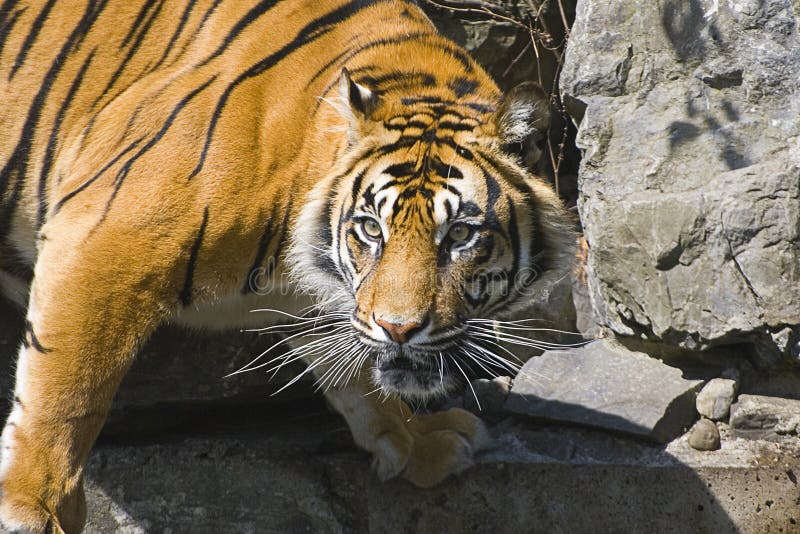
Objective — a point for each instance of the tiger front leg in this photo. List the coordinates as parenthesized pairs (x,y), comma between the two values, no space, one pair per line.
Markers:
(422,448)
(88,311)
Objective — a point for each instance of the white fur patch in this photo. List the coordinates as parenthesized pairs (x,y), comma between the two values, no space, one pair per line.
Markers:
(7,441)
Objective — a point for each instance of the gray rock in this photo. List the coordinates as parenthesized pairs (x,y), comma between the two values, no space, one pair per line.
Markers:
(768,418)
(605,385)
(486,397)
(715,399)
(690,192)
(704,436)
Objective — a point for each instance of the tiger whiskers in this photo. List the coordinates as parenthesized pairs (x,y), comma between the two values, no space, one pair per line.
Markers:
(475,395)
(518,325)
(331,325)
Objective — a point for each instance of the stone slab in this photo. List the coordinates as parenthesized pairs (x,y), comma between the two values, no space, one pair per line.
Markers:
(307,477)
(760,417)
(605,385)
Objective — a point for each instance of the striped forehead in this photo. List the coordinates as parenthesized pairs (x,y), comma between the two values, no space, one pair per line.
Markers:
(386,195)
(431,123)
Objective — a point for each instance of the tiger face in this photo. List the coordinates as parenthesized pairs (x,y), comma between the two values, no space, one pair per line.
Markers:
(429,227)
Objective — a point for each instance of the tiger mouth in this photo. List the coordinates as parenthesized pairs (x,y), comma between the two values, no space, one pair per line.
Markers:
(413,374)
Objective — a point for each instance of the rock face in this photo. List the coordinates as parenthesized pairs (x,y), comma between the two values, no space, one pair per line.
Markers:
(605,385)
(689,118)
(770,418)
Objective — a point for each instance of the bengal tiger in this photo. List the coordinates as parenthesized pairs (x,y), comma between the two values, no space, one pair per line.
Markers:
(191,160)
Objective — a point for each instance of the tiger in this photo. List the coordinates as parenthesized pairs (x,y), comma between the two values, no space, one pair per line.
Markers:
(187,161)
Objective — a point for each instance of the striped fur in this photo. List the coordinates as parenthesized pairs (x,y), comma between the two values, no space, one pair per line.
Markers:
(162,157)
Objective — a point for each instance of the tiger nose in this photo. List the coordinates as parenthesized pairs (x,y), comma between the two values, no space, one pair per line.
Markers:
(400,333)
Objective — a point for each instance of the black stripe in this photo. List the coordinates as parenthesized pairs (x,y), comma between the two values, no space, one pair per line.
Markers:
(346,275)
(5,8)
(355,190)
(17,164)
(32,340)
(401,170)
(97,175)
(31,37)
(249,17)
(6,25)
(399,127)
(455,126)
(443,170)
(311,32)
(493,194)
(395,79)
(513,236)
(261,252)
(324,262)
(187,11)
(347,55)
(125,169)
(140,35)
(47,163)
(186,292)
(284,231)
(137,22)
(499,168)
(462,86)
(200,26)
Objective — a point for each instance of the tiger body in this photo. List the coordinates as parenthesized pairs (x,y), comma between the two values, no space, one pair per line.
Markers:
(189,161)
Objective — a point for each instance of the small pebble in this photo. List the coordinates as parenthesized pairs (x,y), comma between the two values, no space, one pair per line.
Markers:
(704,436)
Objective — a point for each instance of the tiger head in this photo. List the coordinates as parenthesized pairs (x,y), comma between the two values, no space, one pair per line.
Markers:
(428,225)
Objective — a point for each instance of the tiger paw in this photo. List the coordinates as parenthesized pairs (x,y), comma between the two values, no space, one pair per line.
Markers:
(429,448)
(21,517)
(21,512)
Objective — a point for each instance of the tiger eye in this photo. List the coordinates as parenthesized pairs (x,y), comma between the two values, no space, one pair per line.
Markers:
(458,232)
(372,228)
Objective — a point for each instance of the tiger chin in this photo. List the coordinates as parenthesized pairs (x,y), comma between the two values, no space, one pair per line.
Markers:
(191,161)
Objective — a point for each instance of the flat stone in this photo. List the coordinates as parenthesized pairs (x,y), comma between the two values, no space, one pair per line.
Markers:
(291,477)
(769,418)
(704,436)
(605,385)
(715,399)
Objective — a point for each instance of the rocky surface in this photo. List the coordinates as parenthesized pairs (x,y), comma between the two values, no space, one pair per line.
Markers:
(304,475)
(715,399)
(605,385)
(769,418)
(690,199)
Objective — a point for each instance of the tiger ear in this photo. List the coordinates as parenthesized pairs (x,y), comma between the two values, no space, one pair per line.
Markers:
(523,120)
(357,102)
